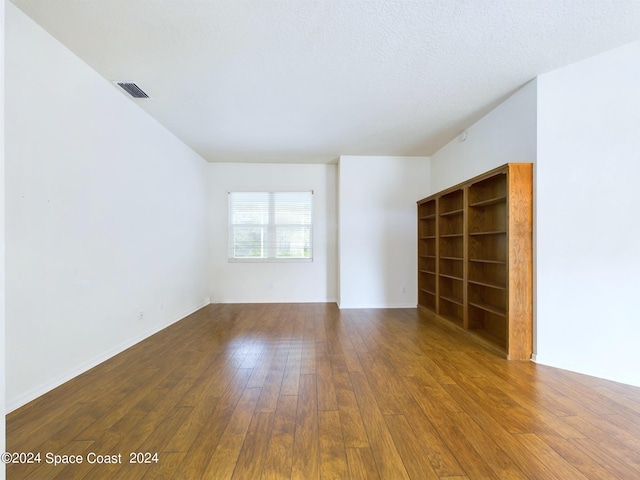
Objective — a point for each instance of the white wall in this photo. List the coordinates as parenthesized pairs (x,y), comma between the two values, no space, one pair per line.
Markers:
(506,134)
(274,282)
(588,216)
(378,229)
(2,237)
(106,217)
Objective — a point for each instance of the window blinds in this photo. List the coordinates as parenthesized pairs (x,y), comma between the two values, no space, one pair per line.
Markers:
(270,226)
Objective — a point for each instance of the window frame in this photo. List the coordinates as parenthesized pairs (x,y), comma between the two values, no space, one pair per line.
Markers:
(271,228)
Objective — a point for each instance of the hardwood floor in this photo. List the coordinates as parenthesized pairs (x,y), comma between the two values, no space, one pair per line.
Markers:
(306,391)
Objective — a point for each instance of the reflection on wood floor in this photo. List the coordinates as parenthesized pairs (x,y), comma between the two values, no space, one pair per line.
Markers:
(306,391)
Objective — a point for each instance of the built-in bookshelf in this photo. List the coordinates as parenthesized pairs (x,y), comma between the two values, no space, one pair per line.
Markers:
(475,257)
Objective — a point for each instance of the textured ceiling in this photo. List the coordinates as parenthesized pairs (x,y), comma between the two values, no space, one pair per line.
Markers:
(307,81)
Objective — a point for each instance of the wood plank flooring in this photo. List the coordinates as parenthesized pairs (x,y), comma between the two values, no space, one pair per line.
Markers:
(306,391)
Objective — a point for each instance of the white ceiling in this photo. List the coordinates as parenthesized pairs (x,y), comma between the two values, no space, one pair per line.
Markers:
(306,81)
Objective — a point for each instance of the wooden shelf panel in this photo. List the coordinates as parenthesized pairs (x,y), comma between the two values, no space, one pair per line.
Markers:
(487,283)
(457,301)
(490,308)
(451,224)
(489,201)
(451,267)
(452,319)
(451,203)
(490,247)
(451,247)
(491,274)
(452,277)
(451,297)
(490,325)
(487,216)
(494,232)
(493,340)
(426,207)
(452,212)
(426,231)
(486,260)
(488,190)
(427,299)
(427,263)
(429,216)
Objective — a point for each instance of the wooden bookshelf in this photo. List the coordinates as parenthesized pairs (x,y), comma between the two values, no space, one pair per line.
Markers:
(475,257)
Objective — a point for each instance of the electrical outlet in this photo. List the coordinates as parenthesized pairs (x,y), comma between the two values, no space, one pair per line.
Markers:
(404,289)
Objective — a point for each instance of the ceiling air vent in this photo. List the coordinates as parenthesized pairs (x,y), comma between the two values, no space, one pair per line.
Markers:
(132,89)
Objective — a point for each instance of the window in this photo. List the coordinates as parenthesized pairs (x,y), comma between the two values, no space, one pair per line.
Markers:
(270,226)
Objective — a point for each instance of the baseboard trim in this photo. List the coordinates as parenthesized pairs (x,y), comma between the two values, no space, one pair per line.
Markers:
(626,379)
(376,306)
(236,301)
(21,400)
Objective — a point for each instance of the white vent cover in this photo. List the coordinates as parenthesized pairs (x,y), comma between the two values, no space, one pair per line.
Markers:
(132,89)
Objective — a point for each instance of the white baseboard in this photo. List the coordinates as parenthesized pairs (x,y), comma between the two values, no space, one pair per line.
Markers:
(253,300)
(376,306)
(632,379)
(26,397)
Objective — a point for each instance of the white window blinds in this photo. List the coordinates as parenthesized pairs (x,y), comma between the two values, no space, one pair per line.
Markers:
(270,226)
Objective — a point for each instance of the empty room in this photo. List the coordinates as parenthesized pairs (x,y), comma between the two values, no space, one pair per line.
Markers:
(320,239)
